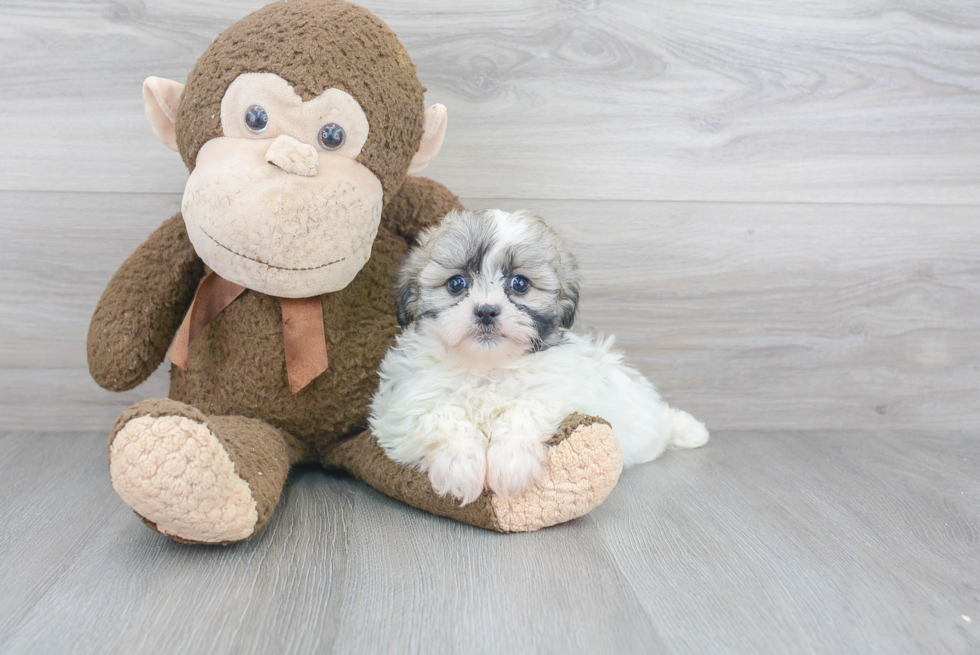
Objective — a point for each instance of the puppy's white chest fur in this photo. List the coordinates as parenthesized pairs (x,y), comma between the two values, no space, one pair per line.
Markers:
(488,397)
(534,393)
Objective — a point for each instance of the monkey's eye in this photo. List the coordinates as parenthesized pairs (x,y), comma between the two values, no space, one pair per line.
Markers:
(456,284)
(256,119)
(519,284)
(331,136)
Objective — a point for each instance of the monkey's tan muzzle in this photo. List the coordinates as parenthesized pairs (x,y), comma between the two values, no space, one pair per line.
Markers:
(299,228)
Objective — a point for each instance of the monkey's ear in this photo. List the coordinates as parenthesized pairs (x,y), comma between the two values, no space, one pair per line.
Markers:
(434,132)
(161,98)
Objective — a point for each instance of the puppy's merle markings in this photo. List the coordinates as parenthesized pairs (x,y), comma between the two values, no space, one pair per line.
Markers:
(544,324)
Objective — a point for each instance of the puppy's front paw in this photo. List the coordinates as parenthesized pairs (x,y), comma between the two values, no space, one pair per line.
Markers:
(514,466)
(458,468)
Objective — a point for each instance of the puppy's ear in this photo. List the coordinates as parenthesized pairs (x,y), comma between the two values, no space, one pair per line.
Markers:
(568,303)
(569,285)
(406,296)
(407,299)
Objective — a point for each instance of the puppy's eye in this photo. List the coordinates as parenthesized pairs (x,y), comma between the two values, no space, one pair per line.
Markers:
(519,284)
(256,119)
(456,284)
(331,136)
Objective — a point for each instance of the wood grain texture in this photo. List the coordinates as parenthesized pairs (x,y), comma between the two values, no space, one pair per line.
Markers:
(839,542)
(751,316)
(813,101)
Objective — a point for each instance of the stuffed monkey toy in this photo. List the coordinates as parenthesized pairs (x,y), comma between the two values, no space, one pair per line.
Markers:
(303,127)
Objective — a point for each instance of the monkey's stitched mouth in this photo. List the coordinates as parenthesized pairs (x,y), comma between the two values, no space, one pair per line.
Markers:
(259,261)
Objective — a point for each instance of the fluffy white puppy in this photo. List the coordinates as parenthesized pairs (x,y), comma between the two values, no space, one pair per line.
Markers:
(486,367)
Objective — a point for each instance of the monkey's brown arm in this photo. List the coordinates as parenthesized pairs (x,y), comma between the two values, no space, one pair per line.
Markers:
(420,203)
(142,307)
(584,463)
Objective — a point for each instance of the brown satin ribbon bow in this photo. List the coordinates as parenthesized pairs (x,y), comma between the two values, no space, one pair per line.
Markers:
(302,329)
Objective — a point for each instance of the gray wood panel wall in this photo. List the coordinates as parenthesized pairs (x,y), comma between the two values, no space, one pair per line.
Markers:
(775,204)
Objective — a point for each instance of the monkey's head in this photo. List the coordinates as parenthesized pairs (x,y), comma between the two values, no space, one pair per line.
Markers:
(298,123)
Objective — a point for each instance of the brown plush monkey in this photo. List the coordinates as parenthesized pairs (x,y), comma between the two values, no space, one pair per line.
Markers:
(302,126)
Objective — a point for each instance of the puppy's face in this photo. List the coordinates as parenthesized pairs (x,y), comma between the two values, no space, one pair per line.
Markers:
(490,285)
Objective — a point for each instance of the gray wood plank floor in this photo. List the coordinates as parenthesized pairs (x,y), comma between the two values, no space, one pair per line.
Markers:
(834,542)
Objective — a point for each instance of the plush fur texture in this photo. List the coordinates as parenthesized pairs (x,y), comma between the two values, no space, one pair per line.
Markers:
(274,210)
(142,307)
(236,365)
(171,456)
(314,45)
(175,474)
(579,473)
(481,377)
(233,405)
(584,464)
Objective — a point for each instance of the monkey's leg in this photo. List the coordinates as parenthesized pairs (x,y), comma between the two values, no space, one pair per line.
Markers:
(583,465)
(197,478)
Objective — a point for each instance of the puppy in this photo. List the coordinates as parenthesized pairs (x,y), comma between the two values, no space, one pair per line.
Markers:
(486,367)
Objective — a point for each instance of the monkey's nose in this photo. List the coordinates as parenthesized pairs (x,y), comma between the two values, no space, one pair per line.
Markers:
(486,314)
(293,156)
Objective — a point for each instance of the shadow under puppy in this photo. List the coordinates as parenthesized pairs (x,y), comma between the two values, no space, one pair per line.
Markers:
(486,367)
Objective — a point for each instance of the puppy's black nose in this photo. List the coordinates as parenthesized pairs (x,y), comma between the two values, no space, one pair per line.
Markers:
(487,313)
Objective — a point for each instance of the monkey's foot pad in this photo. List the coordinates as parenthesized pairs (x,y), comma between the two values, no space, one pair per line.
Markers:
(174,472)
(583,466)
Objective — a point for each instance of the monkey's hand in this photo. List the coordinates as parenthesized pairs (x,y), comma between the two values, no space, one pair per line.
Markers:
(142,307)
(419,204)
